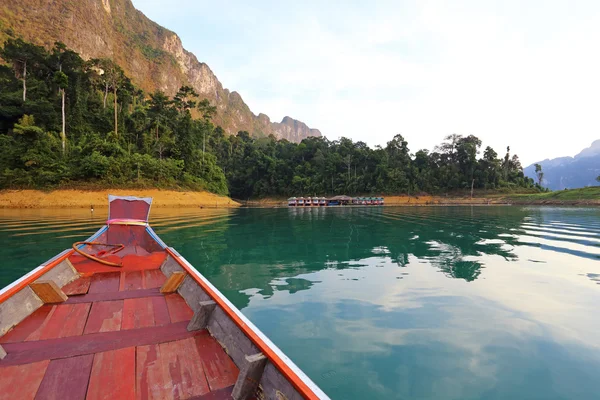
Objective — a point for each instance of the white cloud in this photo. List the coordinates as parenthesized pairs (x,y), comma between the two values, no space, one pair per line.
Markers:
(512,73)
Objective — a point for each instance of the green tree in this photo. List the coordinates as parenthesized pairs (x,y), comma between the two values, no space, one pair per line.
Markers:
(185,99)
(539,173)
(208,113)
(22,55)
(61,80)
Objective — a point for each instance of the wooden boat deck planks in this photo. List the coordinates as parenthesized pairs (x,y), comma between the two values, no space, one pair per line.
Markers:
(137,313)
(65,320)
(154,278)
(105,282)
(113,375)
(22,381)
(66,378)
(131,280)
(161,311)
(105,316)
(220,370)
(29,325)
(178,308)
(28,352)
(97,342)
(78,287)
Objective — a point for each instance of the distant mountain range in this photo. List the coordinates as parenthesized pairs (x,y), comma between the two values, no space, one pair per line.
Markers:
(570,172)
(152,56)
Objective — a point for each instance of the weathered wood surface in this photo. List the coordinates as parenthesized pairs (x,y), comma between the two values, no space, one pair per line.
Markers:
(105,282)
(30,325)
(220,370)
(132,280)
(274,385)
(189,289)
(170,371)
(249,376)
(169,266)
(105,316)
(18,307)
(154,278)
(61,274)
(28,352)
(221,394)
(48,292)
(137,313)
(77,287)
(161,311)
(173,282)
(66,378)
(202,316)
(192,293)
(21,381)
(113,375)
(178,309)
(231,337)
(131,294)
(64,320)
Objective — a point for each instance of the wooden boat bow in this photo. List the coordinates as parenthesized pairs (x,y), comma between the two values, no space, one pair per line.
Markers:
(152,328)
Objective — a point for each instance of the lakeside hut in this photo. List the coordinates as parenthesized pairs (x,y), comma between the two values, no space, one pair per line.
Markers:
(292,202)
(300,202)
(341,200)
(315,201)
(322,202)
(307,201)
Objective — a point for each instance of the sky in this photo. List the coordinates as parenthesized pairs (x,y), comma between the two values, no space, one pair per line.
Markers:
(524,74)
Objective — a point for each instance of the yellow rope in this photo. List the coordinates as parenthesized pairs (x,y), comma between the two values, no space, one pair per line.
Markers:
(94,258)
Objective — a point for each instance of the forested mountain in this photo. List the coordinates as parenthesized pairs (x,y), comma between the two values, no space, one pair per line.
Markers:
(570,172)
(152,56)
(65,121)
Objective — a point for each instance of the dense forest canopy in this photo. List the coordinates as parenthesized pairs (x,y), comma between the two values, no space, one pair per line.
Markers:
(65,121)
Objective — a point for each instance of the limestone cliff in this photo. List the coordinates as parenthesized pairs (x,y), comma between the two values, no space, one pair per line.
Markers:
(152,56)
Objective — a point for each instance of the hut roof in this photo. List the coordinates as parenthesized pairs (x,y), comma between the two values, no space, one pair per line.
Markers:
(342,197)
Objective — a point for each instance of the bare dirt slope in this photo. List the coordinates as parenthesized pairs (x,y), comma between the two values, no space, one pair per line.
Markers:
(85,198)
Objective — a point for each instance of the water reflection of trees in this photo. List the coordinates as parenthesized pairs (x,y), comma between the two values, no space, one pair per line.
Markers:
(254,248)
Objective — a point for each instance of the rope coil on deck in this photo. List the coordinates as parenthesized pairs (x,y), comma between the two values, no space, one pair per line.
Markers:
(100,253)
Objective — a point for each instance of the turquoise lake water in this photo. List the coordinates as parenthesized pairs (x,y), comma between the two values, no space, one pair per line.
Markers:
(389,302)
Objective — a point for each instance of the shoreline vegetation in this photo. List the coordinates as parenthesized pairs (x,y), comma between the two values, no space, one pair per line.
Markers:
(79,198)
(71,129)
(68,123)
